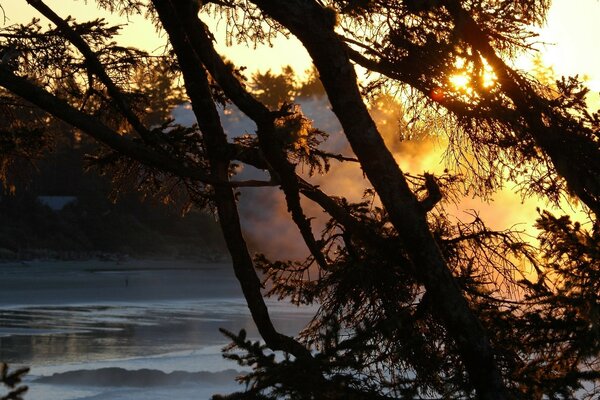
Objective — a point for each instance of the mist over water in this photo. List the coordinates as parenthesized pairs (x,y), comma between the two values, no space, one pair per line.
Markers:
(266,220)
(264,213)
(149,329)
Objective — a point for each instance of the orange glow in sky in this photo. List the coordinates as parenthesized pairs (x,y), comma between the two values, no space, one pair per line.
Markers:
(570,34)
(571,48)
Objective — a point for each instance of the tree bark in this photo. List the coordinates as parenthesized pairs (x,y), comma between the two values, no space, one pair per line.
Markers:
(276,157)
(311,25)
(217,148)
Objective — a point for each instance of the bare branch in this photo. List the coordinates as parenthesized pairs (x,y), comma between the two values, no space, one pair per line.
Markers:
(434,194)
(338,157)
(4,19)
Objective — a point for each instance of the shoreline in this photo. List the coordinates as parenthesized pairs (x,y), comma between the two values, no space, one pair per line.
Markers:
(46,255)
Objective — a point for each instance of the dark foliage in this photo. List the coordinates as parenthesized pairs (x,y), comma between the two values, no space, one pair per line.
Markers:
(413,302)
(12,382)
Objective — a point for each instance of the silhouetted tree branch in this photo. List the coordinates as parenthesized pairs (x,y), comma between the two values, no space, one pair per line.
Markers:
(413,302)
(12,381)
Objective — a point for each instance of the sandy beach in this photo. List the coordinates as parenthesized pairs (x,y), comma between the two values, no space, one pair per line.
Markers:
(119,318)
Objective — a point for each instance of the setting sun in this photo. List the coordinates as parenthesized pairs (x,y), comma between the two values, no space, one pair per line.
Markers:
(460,81)
(489,78)
(466,80)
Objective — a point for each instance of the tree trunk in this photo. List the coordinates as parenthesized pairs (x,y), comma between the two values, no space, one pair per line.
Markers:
(311,24)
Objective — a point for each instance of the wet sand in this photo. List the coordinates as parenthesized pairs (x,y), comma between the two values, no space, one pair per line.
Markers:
(159,315)
(94,282)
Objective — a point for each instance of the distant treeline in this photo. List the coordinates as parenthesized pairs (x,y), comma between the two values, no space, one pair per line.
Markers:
(94,226)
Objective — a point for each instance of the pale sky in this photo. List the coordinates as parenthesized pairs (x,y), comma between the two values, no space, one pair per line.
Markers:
(140,33)
(571,33)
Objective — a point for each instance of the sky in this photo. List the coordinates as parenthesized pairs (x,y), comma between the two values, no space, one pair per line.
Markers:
(567,42)
(141,33)
(570,36)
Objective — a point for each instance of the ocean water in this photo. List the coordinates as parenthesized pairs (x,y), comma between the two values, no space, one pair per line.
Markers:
(135,330)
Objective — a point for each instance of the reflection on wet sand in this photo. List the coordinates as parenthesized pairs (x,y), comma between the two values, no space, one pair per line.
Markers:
(75,334)
(80,312)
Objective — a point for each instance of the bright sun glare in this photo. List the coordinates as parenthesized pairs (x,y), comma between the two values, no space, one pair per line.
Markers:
(460,81)
(468,79)
(463,81)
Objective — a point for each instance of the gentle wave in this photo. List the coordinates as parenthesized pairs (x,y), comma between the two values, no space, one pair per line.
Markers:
(120,377)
